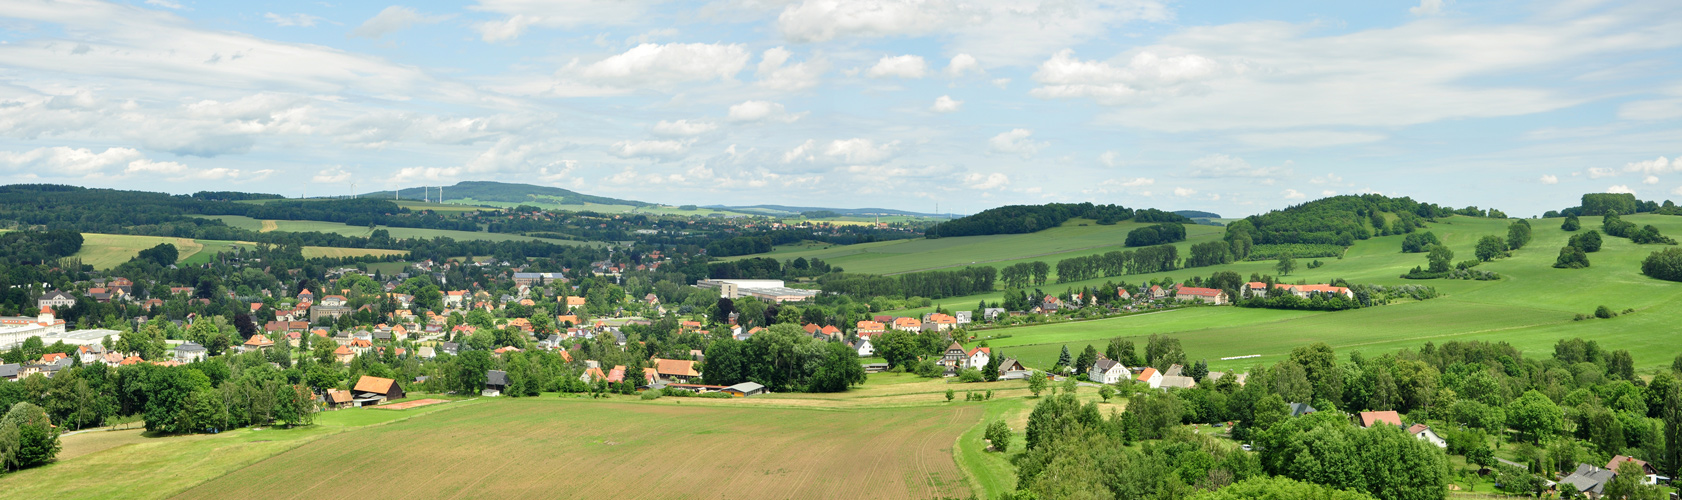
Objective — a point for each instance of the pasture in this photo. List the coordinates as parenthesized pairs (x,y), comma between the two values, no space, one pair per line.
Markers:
(1531,307)
(105,251)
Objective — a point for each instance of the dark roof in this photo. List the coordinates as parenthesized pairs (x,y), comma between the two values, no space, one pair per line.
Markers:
(1589,479)
(496,377)
(10,370)
(1104,365)
(1300,409)
(189,347)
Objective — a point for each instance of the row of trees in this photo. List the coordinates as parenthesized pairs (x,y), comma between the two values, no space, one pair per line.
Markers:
(1026,274)
(1158,234)
(784,358)
(1018,219)
(1118,263)
(931,284)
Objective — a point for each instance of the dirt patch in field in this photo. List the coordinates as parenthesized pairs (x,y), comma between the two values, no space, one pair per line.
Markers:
(411,404)
(550,447)
(268,225)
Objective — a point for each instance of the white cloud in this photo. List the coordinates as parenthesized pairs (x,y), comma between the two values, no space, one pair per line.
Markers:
(300,20)
(1677,190)
(1007,31)
(1620,189)
(684,127)
(855,151)
(1292,194)
(774,72)
(1660,165)
(1654,109)
(961,65)
(1110,159)
(64,161)
(1550,179)
(1148,75)
(653,149)
(1308,139)
(164,3)
(1001,83)
(1184,192)
(332,175)
(524,14)
(906,66)
(754,111)
(1328,193)
(946,104)
(1016,142)
(986,181)
(1597,172)
(657,65)
(1427,8)
(1125,182)
(392,19)
(1651,179)
(1223,166)
(1329,178)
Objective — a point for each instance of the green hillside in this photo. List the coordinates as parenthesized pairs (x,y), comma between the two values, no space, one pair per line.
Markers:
(299,226)
(1532,307)
(503,192)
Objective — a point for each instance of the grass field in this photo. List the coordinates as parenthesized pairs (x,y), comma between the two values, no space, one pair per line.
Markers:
(105,251)
(1077,237)
(1531,308)
(304,226)
(895,437)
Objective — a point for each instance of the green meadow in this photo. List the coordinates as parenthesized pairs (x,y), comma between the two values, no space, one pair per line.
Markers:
(304,226)
(1531,307)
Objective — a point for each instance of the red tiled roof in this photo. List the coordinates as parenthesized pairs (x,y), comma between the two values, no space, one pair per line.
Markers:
(1200,292)
(1370,418)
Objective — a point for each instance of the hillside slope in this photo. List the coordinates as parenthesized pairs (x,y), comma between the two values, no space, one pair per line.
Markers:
(503,192)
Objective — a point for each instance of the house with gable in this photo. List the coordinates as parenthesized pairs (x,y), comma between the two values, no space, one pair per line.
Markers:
(955,356)
(1107,371)
(978,357)
(1150,377)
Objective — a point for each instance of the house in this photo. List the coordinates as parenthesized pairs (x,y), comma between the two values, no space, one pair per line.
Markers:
(830,331)
(617,374)
(305,295)
(1123,295)
(941,322)
(1300,409)
(992,313)
(1424,433)
(56,300)
(1156,292)
(1371,418)
(1011,369)
(334,301)
(1150,377)
(343,354)
(869,328)
(1589,480)
(257,342)
(190,352)
(454,298)
(1619,460)
(744,389)
(574,302)
(1107,371)
(676,370)
(450,348)
(964,317)
(908,324)
(593,374)
(978,357)
(1178,382)
(336,399)
(865,348)
(1205,295)
(376,390)
(955,356)
(10,371)
(496,381)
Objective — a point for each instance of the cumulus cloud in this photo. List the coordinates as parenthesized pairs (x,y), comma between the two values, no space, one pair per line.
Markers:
(525,14)
(1125,182)
(1292,194)
(961,65)
(1016,142)
(855,151)
(333,175)
(1007,31)
(650,149)
(906,66)
(993,180)
(1597,172)
(1660,165)
(1651,179)
(1110,159)
(684,127)
(393,19)
(1184,192)
(660,65)
(946,104)
(164,3)
(1427,8)
(299,20)
(1220,166)
(754,111)
(1308,139)
(1145,76)
(775,73)
(65,161)
(1550,179)
(1329,178)
(1620,189)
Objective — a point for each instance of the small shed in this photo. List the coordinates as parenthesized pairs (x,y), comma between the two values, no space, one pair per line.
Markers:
(496,381)
(744,389)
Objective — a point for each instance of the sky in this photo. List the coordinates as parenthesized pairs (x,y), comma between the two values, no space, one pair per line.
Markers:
(1232,107)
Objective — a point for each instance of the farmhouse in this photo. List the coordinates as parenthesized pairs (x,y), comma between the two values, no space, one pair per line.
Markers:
(978,357)
(1424,433)
(1589,480)
(1011,369)
(955,356)
(1107,371)
(1205,295)
(1371,418)
(336,398)
(673,370)
(1619,460)
(376,390)
(1150,377)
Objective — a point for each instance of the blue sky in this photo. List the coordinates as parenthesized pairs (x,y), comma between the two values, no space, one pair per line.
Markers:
(1230,107)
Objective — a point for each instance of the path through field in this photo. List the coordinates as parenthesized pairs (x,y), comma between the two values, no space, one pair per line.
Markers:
(268,225)
(569,448)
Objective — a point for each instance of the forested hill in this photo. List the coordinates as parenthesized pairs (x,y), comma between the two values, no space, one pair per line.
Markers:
(506,193)
(1198,214)
(1341,220)
(1017,219)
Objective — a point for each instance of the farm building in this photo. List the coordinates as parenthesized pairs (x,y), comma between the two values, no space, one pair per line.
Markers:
(1107,371)
(744,389)
(1206,295)
(1011,369)
(676,370)
(337,399)
(376,390)
(496,381)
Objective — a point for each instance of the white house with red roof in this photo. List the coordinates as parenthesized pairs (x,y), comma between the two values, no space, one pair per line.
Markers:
(978,357)
(1150,377)
(1206,295)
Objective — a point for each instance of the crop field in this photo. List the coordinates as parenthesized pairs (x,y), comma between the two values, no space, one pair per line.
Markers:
(1075,238)
(1531,307)
(337,252)
(304,226)
(105,251)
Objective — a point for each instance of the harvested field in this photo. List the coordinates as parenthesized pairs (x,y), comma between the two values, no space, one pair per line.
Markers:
(555,447)
(411,404)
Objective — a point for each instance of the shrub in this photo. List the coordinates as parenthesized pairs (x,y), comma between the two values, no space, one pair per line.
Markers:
(1589,241)
(1571,257)
(715,395)
(1490,247)
(970,375)
(1604,312)
(1419,242)
(1664,264)
(999,434)
(1571,224)
(650,395)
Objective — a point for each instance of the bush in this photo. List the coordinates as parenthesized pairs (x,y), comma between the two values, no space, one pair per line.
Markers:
(999,434)
(1571,257)
(1571,224)
(1419,242)
(927,369)
(970,375)
(1491,247)
(650,395)
(1298,250)
(1589,241)
(1664,264)
(1604,312)
(715,395)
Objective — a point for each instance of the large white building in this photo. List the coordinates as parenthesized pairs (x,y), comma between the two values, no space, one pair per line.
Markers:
(16,329)
(769,290)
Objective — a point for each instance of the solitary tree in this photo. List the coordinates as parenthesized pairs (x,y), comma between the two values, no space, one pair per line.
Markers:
(999,435)
(1286,265)
(1036,383)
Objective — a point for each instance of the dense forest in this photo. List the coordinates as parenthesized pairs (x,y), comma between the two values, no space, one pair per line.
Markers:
(1339,220)
(1018,219)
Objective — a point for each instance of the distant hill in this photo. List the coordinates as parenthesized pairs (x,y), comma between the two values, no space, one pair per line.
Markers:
(504,192)
(1198,214)
(1018,219)
(788,210)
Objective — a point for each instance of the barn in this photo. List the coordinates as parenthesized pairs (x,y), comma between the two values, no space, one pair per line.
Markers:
(376,390)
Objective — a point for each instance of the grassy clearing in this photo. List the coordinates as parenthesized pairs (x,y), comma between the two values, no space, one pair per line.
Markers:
(105,251)
(1531,308)
(622,449)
